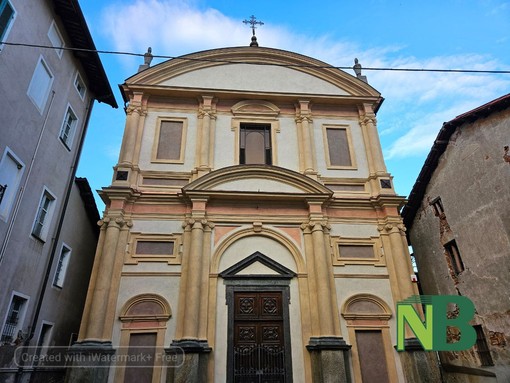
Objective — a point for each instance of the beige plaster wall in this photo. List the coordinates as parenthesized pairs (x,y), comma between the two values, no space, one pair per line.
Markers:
(259,78)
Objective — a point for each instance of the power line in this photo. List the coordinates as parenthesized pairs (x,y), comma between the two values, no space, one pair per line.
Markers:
(261,63)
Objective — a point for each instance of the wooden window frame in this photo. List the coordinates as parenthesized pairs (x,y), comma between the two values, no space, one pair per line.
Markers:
(48,216)
(155,146)
(438,206)
(274,129)
(5,32)
(350,145)
(79,80)
(452,250)
(68,143)
(61,268)
(482,347)
(11,193)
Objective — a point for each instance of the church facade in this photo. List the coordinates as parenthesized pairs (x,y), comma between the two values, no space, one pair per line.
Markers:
(252,231)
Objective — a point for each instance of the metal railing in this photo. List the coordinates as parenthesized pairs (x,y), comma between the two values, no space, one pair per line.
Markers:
(259,363)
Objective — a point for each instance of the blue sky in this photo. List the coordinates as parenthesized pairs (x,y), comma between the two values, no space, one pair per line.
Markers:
(452,34)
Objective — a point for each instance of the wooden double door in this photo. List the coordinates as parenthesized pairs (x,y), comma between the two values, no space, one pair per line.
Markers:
(259,344)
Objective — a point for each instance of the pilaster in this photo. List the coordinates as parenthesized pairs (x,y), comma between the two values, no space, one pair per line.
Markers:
(126,171)
(305,133)
(376,165)
(193,298)
(328,350)
(205,138)
(99,299)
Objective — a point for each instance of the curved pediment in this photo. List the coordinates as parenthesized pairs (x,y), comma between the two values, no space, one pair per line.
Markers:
(257,179)
(255,107)
(254,69)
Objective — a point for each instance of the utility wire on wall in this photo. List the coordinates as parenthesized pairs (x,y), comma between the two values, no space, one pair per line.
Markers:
(259,63)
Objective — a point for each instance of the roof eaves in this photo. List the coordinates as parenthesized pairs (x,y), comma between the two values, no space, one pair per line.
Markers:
(79,34)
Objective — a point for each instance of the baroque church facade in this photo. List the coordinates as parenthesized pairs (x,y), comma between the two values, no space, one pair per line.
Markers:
(251,230)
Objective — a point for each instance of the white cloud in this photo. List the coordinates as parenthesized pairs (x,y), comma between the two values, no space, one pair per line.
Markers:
(416,103)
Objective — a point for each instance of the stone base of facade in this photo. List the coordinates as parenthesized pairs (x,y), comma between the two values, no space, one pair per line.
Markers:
(419,366)
(192,358)
(91,362)
(329,357)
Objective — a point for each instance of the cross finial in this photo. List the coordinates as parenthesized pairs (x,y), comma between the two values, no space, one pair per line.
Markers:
(253,22)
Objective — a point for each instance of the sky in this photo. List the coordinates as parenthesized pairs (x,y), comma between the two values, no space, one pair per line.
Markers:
(436,34)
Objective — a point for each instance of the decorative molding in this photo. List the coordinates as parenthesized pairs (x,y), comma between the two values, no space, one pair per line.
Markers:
(361,276)
(233,271)
(377,260)
(161,302)
(132,258)
(151,274)
(258,108)
(275,235)
(172,68)
(383,314)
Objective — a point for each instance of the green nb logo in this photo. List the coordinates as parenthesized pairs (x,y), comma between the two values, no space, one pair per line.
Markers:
(432,333)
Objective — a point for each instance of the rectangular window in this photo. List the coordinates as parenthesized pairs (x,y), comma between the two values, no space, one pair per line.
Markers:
(68,128)
(7,14)
(482,347)
(63,262)
(44,341)
(80,85)
(11,171)
(43,217)
(170,141)
(437,204)
(56,39)
(454,255)
(255,144)
(13,322)
(339,153)
(40,85)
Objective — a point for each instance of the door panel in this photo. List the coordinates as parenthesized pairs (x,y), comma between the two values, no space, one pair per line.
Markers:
(259,352)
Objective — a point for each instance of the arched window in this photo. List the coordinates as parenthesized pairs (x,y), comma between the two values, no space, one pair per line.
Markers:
(144,319)
(367,319)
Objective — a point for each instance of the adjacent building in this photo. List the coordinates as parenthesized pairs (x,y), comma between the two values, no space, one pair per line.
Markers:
(252,225)
(46,241)
(458,224)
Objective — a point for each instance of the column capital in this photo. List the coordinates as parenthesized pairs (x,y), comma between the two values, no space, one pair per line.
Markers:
(206,112)
(315,225)
(130,109)
(392,228)
(368,119)
(304,118)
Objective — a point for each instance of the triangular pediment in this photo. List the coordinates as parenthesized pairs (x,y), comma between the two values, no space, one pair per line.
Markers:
(258,180)
(257,265)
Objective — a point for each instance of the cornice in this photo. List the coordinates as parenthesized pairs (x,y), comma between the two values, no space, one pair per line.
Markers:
(252,55)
